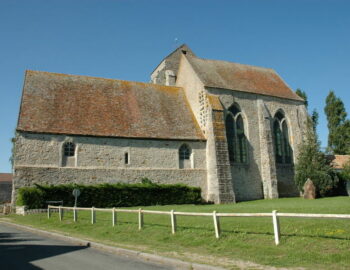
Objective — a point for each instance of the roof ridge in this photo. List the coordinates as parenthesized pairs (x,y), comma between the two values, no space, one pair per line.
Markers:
(182,45)
(230,62)
(101,78)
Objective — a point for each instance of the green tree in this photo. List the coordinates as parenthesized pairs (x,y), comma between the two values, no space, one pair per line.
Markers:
(342,140)
(303,95)
(338,126)
(314,119)
(312,163)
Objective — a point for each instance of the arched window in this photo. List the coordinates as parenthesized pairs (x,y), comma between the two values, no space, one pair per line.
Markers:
(278,141)
(230,133)
(283,151)
(185,157)
(236,139)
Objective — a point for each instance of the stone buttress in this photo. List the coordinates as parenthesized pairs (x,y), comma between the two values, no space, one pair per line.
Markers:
(220,189)
(268,164)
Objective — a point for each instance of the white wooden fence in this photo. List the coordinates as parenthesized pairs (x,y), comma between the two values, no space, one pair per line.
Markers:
(216,216)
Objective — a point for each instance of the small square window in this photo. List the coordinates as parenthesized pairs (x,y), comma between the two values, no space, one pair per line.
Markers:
(184,152)
(69,149)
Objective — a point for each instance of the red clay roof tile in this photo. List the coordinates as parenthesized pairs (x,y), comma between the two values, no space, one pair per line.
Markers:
(246,78)
(81,105)
(338,161)
(5,177)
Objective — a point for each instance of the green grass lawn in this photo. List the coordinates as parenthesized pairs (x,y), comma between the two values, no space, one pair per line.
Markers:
(309,243)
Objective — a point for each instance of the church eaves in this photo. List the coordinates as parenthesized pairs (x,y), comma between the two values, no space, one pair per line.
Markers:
(81,105)
(239,77)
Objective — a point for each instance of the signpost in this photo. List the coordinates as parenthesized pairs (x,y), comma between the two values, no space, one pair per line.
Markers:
(76,193)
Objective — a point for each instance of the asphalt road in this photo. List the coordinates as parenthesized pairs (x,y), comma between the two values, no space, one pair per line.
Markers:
(24,250)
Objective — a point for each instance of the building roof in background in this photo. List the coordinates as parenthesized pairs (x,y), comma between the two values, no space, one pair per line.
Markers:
(338,161)
(5,177)
(245,78)
(81,105)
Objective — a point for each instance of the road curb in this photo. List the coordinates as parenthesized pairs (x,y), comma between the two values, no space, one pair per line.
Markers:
(142,256)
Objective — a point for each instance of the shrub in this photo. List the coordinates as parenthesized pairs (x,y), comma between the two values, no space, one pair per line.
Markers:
(146,180)
(30,196)
(111,195)
(341,188)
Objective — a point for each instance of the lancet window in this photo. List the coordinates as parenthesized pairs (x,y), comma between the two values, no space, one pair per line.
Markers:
(236,139)
(283,150)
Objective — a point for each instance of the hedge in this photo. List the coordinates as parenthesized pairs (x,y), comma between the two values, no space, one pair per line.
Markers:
(109,195)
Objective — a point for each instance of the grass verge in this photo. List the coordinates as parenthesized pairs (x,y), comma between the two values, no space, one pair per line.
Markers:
(309,243)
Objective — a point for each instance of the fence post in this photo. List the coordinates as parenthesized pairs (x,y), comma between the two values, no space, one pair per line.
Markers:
(216,225)
(114,217)
(75,214)
(93,215)
(48,211)
(276,227)
(140,219)
(173,222)
(60,213)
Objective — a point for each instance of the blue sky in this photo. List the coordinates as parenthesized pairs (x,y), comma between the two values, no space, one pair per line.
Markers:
(306,42)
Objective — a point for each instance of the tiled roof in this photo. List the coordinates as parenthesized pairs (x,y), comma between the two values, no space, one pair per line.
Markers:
(246,78)
(338,161)
(81,105)
(5,177)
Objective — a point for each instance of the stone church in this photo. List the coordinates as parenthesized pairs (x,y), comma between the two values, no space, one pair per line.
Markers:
(231,129)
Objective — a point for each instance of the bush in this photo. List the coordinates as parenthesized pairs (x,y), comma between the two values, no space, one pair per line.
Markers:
(341,188)
(110,195)
(30,196)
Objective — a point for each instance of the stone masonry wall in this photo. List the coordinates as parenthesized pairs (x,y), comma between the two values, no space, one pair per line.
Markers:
(5,192)
(101,160)
(194,90)
(247,178)
(268,161)
(285,183)
(226,194)
(219,186)
(97,152)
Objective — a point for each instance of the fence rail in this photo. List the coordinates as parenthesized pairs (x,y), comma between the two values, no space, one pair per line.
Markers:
(216,216)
